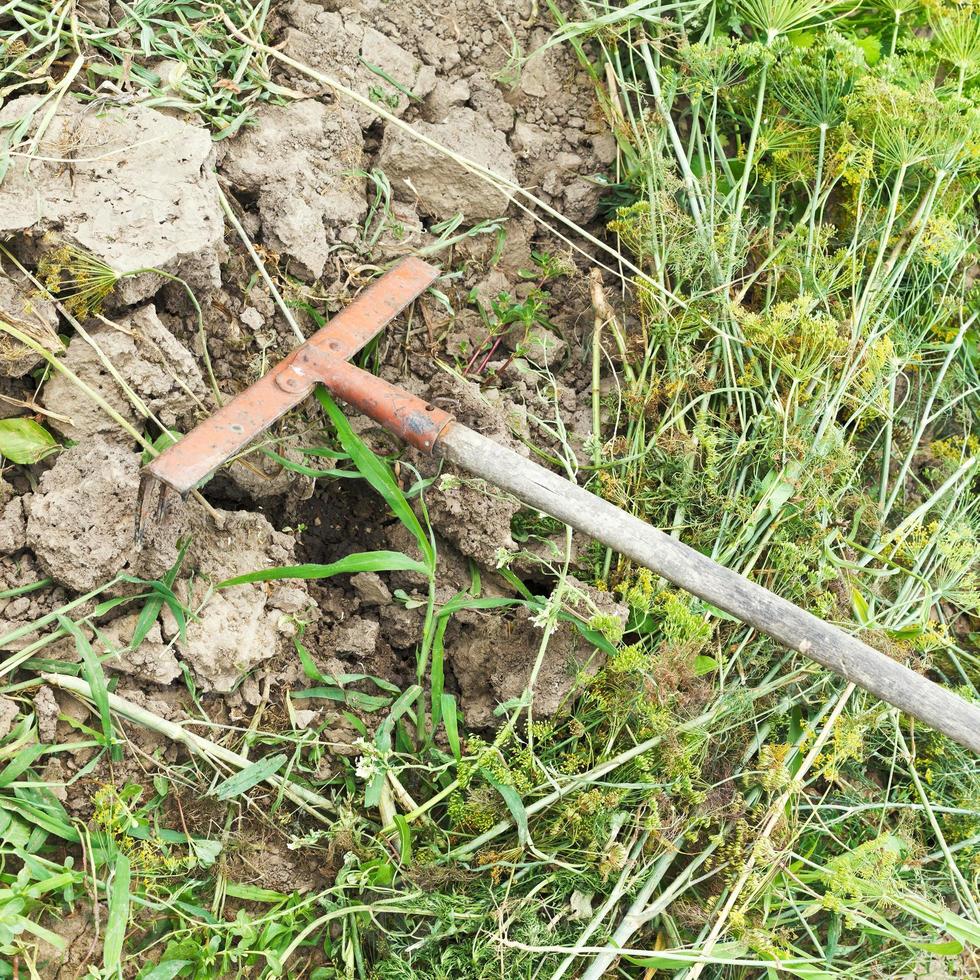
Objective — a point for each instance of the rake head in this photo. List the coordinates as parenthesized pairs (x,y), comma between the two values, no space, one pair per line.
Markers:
(324,358)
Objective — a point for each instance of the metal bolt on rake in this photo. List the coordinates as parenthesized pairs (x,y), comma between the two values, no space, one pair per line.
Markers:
(324,359)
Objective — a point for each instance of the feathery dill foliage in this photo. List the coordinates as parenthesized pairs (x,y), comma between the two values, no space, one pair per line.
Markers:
(810,417)
(802,175)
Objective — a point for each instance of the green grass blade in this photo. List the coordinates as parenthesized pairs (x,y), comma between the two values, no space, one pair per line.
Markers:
(377,474)
(95,675)
(119,900)
(450,719)
(362,561)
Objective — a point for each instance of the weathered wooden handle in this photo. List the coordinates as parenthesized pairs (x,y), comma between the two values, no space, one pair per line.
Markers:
(785,622)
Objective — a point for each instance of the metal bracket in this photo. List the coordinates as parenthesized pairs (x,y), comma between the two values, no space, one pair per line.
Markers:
(192,459)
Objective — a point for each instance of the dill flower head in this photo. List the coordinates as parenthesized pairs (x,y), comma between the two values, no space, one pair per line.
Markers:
(810,84)
(80,280)
(956,38)
(706,69)
(776,18)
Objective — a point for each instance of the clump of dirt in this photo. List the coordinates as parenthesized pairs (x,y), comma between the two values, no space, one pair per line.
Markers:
(81,520)
(351,50)
(475,517)
(300,163)
(440,186)
(13,525)
(493,658)
(9,709)
(237,628)
(81,525)
(138,191)
(150,360)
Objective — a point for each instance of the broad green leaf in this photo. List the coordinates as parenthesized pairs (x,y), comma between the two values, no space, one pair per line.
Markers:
(704,664)
(437,670)
(366,702)
(118,922)
(515,804)
(362,561)
(250,776)
(24,441)
(594,637)
(951,948)
(23,760)
(42,809)
(328,693)
(870,45)
(13,830)
(451,723)
(153,605)
(515,583)
(401,705)
(940,917)
(166,439)
(315,474)
(464,601)
(372,791)
(720,613)
(678,959)
(862,610)
(48,935)
(206,851)
(356,699)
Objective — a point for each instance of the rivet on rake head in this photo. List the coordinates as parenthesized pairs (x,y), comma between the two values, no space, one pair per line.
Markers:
(235,427)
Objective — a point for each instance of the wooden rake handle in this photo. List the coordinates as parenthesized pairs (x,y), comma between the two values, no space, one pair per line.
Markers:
(694,572)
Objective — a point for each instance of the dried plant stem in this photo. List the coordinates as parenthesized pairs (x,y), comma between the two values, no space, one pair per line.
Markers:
(309,801)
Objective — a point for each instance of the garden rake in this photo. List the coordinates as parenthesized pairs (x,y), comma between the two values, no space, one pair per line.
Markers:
(325,359)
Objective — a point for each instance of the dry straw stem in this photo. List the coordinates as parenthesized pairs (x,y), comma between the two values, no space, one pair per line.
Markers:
(196,744)
(260,265)
(507,187)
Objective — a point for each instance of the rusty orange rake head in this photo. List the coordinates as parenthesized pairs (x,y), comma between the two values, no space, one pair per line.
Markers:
(324,358)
